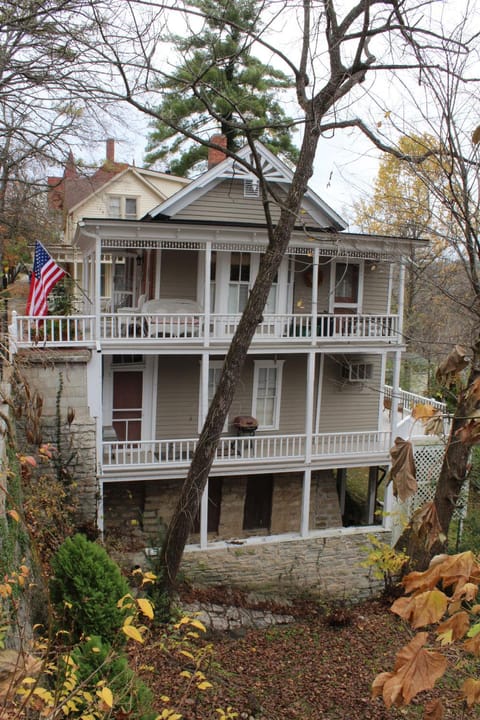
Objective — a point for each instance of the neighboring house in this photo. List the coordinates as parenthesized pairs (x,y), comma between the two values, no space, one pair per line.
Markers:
(295,486)
(114,190)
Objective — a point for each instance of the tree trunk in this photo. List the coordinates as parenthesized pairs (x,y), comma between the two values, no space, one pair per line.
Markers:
(420,543)
(194,484)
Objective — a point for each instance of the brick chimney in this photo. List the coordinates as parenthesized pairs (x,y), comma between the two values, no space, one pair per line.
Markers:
(216,156)
(110,150)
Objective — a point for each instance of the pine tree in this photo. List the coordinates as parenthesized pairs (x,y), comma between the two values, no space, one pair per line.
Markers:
(235,88)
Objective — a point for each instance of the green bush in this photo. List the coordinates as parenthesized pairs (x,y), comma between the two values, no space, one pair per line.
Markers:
(96,662)
(85,588)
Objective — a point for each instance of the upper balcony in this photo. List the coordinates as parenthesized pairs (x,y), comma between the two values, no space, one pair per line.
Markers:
(140,331)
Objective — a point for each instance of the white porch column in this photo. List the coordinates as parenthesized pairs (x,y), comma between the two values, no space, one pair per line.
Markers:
(307,476)
(314,319)
(203,415)
(309,406)
(305,519)
(97,286)
(207,294)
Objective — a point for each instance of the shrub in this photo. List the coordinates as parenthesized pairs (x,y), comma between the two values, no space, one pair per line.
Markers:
(97,664)
(85,589)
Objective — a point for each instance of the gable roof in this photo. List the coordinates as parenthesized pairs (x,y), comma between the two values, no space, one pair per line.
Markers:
(73,188)
(274,171)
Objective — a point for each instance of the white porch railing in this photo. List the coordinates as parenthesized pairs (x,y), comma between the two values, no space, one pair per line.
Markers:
(293,328)
(238,450)
(408,400)
(52,331)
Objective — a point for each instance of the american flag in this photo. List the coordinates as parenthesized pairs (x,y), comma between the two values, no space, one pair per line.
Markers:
(46,273)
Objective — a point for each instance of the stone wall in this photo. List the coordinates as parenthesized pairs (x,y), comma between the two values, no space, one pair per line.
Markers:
(326,566)
(42,370)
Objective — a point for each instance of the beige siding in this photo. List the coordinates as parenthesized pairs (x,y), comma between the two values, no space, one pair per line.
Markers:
(349,407)
(178,396)
(292,409)
(375,288)
(226,203)
(178,274)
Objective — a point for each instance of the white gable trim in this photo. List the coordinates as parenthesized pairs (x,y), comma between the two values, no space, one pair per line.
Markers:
(274,170)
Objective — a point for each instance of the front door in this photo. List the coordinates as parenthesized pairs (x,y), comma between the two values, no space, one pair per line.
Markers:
(127,404)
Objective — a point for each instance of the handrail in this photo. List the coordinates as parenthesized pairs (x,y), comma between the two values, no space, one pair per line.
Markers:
(295,328)
(409,399)
(232,450)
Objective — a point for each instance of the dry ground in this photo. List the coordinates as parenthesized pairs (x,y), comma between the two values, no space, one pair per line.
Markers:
(309,670)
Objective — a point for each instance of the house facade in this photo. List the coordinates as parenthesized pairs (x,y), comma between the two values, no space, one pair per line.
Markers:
(298,479)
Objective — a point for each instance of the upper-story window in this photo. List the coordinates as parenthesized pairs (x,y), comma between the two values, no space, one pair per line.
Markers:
(239,282)
(119,206)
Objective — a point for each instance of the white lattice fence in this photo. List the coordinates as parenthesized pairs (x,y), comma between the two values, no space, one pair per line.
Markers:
(428,462)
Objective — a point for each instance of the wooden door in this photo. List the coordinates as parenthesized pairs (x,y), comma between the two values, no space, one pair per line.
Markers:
(127,404)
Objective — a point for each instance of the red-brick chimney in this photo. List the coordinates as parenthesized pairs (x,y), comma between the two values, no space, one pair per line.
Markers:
(111,150)
(216,156)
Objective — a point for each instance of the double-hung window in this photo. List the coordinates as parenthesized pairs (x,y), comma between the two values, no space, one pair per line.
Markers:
(267,383)
(119,206)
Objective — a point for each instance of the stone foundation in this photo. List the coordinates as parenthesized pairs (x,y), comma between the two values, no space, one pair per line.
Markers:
(326,566)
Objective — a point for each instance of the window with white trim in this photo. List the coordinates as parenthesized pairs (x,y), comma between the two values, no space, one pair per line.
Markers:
(239,284)
(267,384)
(119,206)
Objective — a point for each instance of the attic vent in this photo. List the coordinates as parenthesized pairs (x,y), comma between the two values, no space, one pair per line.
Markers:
(357,372)
(251,188)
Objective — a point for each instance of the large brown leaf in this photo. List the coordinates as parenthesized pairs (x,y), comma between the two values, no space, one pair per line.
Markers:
(449,369)
(453,628)
(423,609)
(469,433)
(425,524)
(403,473)
(416,669)
(433,710)
(471,690)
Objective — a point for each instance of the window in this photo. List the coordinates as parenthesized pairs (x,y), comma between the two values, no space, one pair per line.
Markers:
(122,207)
(357,372)
(239,282)
(346,283)
(114,206)
(267,382)
(131,208)
(257,510)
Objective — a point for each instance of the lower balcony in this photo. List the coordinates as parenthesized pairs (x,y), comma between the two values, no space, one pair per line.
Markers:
(142,329)
(171,457)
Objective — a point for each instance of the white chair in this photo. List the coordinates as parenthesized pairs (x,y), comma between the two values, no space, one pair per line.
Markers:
(125,321)
(138,309)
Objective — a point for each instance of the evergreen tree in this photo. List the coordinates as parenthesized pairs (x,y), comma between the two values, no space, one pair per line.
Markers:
(219,79)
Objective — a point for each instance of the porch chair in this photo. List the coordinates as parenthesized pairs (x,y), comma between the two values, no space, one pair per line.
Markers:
(124,322)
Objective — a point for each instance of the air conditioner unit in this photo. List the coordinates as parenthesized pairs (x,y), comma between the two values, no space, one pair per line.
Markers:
(357,372)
